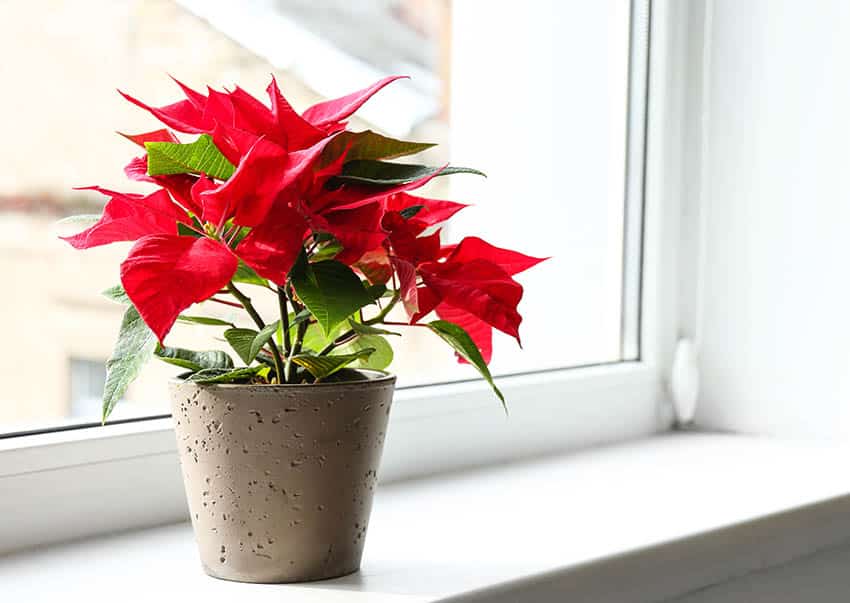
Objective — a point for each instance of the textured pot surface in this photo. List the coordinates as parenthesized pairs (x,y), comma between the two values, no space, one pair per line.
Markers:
(280,478)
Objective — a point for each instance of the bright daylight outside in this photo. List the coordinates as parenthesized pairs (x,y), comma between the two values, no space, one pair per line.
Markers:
(537,99)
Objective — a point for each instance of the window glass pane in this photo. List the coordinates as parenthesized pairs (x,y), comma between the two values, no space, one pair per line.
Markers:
(535,94)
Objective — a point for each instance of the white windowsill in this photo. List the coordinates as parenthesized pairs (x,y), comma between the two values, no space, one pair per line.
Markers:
(646,520)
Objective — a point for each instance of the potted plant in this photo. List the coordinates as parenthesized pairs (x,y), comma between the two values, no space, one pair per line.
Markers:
(280,445)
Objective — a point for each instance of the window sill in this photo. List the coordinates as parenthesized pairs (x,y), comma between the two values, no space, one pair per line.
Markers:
(646,520)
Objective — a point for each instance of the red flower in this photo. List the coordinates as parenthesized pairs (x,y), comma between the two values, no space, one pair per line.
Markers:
(127,217)
(165,274)
(236,119)
(329,115)
(193,230)
(272,247)
(472,286)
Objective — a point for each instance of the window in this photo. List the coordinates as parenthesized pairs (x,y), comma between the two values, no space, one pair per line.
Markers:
(546,116)
(87,380)
(548,97)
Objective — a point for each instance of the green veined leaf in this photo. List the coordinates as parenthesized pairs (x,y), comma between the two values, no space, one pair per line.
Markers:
(117,294)
(369,145)
(360,328)
(204,320)
(243,374)
(135,346)
(195,361)
(330,290)
(263,338)
(247,343)
(246,274)
(462,343)
(200,156)
(367,171)
(324,366)
(241,341)
(380,359)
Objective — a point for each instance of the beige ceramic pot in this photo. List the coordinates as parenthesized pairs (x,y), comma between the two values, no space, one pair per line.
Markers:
(280,478)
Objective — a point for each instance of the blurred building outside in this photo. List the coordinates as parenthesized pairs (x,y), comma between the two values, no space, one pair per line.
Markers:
(59,111)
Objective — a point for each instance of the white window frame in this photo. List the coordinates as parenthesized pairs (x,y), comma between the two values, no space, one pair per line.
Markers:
(79,482)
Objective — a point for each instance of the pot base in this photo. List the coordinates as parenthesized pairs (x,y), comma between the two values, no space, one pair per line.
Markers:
(278,579)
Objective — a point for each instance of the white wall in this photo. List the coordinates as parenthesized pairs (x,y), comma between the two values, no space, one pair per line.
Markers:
(775,317)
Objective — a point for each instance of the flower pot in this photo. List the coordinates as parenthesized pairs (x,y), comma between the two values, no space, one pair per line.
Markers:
(280,478)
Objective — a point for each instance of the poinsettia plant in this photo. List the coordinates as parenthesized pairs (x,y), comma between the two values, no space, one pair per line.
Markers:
(305,210)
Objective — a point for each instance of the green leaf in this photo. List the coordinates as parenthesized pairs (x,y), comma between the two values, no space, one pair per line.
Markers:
(361,329)
(409,212)
(376,291)
(379,359)
(248,342)
(324,366)
(184,231)
(213,375)
(462,343)
(241,340)
(263,338)
(327,251)
(117,294)
(246,274)
(135,346)
(369,145)
(330,290)
(200,156)
(366,171)
(205,320)
(195,361)
(316,340)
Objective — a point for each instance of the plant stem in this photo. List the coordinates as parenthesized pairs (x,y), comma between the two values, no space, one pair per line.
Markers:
(258,320)
(284,322)
(299,338)
(225,302)
(342,339)
(380,316)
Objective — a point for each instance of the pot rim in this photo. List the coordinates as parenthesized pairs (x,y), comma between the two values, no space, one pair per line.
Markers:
(380,378)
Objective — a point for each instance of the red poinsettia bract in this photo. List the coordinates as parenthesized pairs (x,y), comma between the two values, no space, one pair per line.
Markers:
(275,185)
